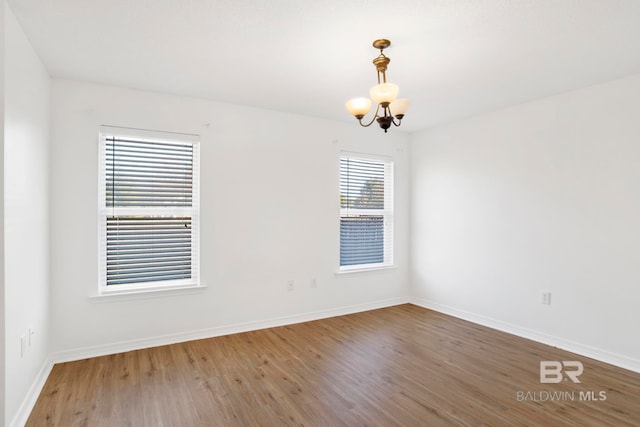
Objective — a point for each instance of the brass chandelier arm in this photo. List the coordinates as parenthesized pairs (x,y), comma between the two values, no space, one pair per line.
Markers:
(375,116)
(385,120)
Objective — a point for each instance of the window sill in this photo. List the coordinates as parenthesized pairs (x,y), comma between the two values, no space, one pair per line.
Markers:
(146,293)
(365,269)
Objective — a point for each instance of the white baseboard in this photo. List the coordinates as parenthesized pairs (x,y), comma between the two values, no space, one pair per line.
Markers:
(102,350)
(621,361)
(21,417)
(123,346)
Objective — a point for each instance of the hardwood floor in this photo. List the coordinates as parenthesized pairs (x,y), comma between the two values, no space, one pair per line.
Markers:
(397,366)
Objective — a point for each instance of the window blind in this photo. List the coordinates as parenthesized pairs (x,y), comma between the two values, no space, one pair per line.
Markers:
(366,212)
(148,173)
(361,240)
(150,219)
(147,249)
(361,183)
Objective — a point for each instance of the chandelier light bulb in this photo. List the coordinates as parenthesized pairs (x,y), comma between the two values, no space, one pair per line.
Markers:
(384,93)
(399,107)
(358,107)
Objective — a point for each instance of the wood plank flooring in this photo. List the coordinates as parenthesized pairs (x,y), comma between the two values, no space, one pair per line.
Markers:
(397,366)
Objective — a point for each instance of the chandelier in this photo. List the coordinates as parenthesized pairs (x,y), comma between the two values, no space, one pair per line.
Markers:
(389,110)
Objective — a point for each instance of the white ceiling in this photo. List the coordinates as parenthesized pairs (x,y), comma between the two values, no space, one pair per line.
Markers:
(452,58)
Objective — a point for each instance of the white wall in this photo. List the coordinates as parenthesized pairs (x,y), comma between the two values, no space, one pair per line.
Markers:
(26,214)
(269,214)
(3,6)
(539,196)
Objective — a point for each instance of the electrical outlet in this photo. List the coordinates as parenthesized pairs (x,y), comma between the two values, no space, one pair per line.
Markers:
(290,285)
(546,298)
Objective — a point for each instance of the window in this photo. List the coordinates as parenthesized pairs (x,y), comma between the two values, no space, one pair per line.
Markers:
(366,212)
(149,210)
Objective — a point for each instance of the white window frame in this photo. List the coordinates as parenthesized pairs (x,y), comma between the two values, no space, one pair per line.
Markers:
(104,211)
(387,212)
